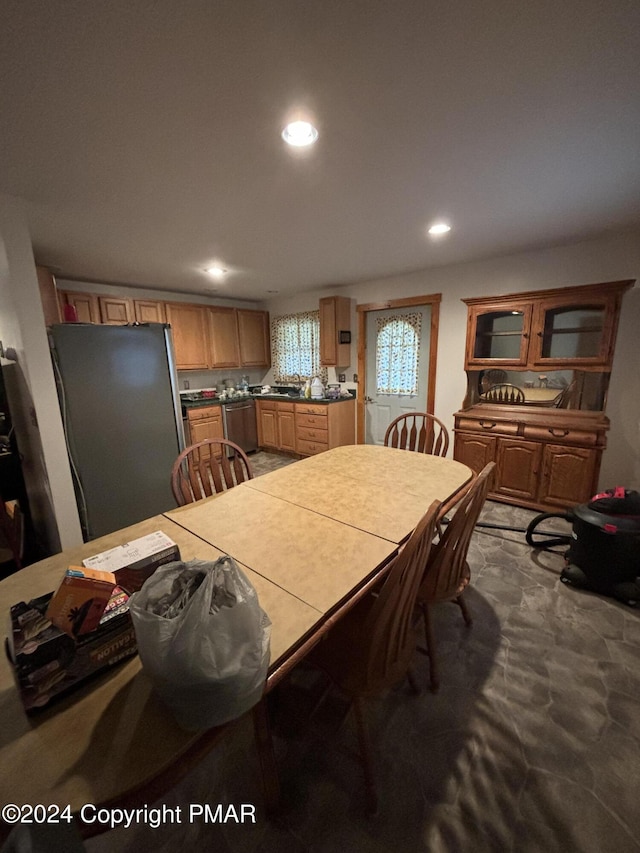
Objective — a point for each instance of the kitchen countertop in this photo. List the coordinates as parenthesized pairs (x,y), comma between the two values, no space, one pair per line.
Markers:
(216,401)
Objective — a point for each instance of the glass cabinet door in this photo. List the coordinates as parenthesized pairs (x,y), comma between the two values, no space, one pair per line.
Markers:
(573,333)
(499,335)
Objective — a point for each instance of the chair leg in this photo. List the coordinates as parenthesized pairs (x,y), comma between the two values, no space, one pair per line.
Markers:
(367,762)
(266,756)
(462,604)
(431,648)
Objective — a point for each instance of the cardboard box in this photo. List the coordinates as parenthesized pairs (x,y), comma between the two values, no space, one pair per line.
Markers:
(79,602)
(48,662)
(134,562)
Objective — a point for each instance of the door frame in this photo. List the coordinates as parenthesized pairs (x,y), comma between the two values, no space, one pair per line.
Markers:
(433,300)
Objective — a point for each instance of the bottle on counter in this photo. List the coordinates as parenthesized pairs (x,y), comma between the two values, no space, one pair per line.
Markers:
(317,389)
(307,389)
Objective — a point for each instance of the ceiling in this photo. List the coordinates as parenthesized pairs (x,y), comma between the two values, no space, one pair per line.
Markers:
(144,135)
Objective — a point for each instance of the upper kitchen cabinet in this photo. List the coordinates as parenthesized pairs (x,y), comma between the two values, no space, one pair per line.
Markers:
(149,311)
(254,340)
(115,310)
(86,305)
(563,328)
(335,331)
(223,337)
(190,343)
(49,297)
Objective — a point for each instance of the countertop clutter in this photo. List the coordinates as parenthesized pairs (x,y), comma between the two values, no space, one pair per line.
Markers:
(205,397)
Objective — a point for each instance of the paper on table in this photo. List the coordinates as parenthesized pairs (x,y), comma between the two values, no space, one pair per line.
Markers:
(131,552)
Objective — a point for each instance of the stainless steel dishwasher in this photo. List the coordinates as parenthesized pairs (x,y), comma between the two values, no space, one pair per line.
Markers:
(239,419)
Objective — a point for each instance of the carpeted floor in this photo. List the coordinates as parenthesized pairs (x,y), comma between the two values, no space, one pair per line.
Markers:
(531,745)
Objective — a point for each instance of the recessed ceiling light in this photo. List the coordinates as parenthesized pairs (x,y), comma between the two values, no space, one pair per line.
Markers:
(216,271)
(439,228)
(299,134)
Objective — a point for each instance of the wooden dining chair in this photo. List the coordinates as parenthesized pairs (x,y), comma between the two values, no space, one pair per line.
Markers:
(418,431)
(370,648)
(205,468)
(447,572)
(504,393)
(12,533)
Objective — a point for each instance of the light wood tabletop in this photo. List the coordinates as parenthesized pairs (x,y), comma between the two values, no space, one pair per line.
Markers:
(380,490)
(310,539)
(112,734)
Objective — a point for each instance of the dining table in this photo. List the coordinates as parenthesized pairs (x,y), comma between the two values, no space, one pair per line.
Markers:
(312,537)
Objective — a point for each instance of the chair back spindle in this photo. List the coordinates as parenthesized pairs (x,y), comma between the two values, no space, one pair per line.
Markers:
(420,432)
(205,468)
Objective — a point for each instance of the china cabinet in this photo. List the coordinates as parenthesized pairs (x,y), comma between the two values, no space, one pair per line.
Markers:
(556,348)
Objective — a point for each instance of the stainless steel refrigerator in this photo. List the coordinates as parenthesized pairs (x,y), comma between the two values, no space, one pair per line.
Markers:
(121,409)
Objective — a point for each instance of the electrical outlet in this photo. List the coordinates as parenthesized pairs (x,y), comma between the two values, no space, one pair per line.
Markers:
(186,385)
(355,377)
(342,377)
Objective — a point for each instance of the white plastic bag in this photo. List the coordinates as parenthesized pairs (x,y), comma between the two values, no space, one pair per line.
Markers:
(208,656)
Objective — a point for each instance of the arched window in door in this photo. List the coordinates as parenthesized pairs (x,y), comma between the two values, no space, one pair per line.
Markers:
(398,354)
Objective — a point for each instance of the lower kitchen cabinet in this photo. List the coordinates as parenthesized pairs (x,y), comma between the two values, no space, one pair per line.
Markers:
(545,459)
(305,428)
(205,423)
(320,427)
(276,424)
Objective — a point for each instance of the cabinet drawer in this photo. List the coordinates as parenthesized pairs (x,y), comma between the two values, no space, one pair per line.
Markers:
(311,421)
(311,409)
(285,407)
(567,436)
(309,448)
(206,412)
(267,405)
(488,425)
(312,434)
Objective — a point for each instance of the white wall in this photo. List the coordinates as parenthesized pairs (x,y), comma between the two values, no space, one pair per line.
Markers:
(610,258)
(31,387)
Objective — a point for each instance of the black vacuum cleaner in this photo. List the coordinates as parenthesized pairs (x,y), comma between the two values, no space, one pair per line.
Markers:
(604,549)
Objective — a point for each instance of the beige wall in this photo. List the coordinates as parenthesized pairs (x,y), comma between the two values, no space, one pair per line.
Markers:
(606,259)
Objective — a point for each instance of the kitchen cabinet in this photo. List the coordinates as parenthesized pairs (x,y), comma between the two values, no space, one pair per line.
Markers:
(276,424)
(115,310)
(48,297)
(335,331)
(86,305)
(223,337)
(205,422)
(149,311)
(189,332)
(254,339)
(573,326)
(320,427)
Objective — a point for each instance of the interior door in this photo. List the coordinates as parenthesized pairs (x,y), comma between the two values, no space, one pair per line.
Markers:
(382,405)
